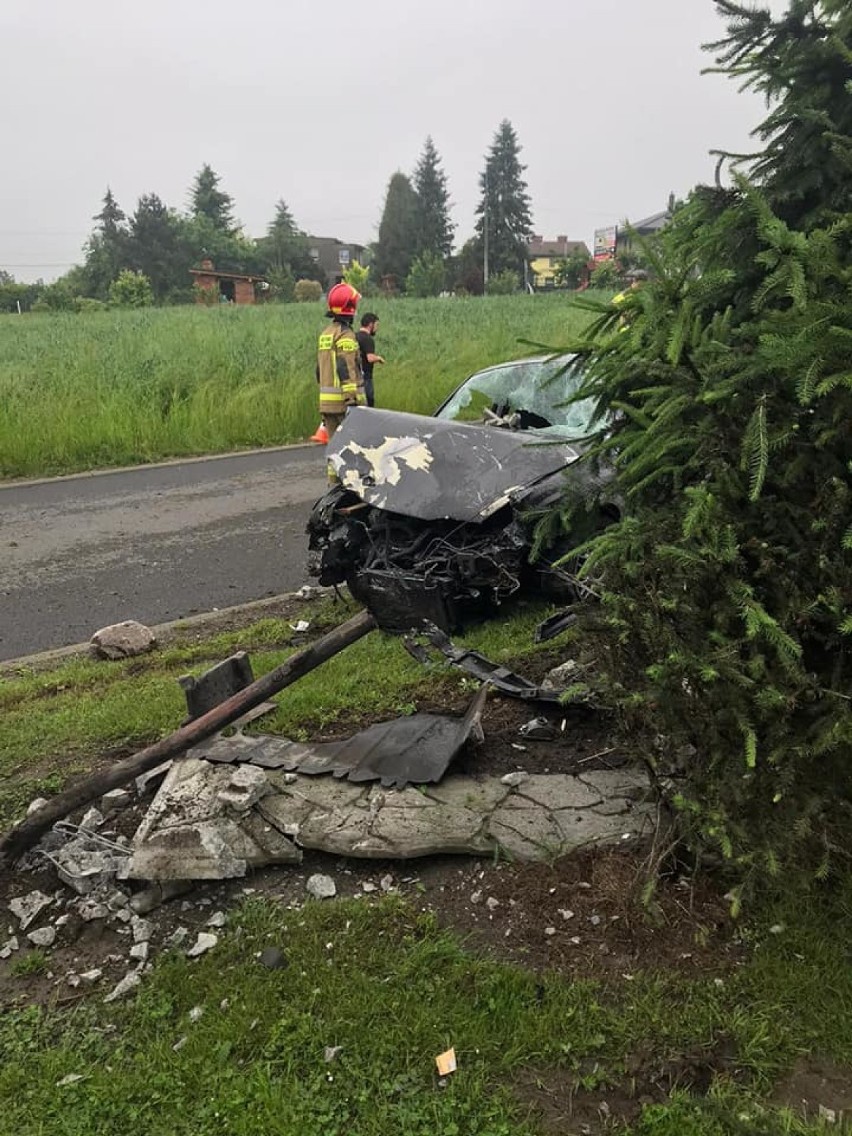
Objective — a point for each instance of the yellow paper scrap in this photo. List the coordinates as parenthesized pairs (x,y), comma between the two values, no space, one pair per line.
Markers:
(446,1062)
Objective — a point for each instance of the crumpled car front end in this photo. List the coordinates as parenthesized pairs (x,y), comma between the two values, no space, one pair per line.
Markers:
(430,519)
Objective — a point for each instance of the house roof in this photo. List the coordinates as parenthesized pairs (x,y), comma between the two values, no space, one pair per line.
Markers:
(653,223)
(538,246)
(223,275)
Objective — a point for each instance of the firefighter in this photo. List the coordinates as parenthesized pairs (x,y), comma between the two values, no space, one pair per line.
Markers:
(341,383)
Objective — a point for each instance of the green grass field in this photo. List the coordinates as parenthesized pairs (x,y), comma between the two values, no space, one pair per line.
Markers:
(113,388)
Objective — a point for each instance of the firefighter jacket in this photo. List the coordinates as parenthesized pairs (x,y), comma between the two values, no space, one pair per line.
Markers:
(341,383)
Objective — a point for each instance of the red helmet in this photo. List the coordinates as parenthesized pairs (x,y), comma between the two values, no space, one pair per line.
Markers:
(343,300)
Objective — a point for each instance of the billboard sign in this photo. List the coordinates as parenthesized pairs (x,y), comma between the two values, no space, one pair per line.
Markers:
(605,242)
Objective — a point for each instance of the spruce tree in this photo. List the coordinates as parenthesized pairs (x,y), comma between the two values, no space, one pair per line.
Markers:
(725,396)
(284,248)
(504,209)
(434,227)
(397,243)
(106,250)
(208,200)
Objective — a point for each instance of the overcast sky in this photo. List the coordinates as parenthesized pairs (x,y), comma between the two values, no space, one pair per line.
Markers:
(283,100)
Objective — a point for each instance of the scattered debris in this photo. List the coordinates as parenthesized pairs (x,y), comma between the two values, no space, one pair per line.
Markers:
(220,682)
(123,640)
(26,908)
(127,984)
(272,958)
(139,951)
(513,780)
(196,1014)
(42,936)
(539,730)
(149,780)
(92,975)
(142,929)
(70,1079)
(415,749)
(35,805)
(505,680)
(217,919)
(446,1062)
(94,818)
(554,625)
(158,893)
(331,1052)
(321,887)
(204,943)
(300,626)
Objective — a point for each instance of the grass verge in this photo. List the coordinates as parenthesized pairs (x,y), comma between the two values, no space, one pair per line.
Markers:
(387,985)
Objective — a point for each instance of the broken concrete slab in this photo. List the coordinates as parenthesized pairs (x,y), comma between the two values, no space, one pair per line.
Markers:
(189,833)
(192,833)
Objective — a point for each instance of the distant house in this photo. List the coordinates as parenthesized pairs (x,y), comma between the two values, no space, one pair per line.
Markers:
(334,256)
(647,227)
(544,257)
(228,287)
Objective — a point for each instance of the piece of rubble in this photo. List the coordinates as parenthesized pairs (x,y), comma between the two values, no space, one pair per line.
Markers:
(180,1043)
(540,730)
(492,903)
(513,780)
(386,882)
(8,947)
(248,784)
(92,975)
(331,1052)
(123,640)
(139,951)
(561,677)
(116,799)
(35,805)
(177,937)
(42,936)
(69,1079)
(158,893)
(217,919)
(321,887)
(272,958)
(123,988)
(89,909)
(196,1013)
(27,907)
(142,929)
(205,942)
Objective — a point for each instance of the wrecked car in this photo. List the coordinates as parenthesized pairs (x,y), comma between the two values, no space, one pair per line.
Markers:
(433,518)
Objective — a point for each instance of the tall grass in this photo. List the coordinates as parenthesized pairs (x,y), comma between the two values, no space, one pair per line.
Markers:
(111,388)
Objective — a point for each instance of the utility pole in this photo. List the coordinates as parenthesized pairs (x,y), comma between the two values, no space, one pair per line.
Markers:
(485,235)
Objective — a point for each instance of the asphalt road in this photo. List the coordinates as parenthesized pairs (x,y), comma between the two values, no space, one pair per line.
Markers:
(154,543)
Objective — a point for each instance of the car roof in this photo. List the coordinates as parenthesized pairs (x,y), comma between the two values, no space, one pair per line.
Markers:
(563,356)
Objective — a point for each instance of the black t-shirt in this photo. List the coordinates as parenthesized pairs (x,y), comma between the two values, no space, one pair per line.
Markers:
(368,347)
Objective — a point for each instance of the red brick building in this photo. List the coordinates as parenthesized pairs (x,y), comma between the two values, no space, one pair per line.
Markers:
(230,287)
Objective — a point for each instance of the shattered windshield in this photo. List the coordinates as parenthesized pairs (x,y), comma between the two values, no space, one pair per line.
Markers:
(531,390)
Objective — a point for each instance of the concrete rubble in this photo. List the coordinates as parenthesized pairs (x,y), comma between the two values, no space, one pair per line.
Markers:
(123,640)
(215,821)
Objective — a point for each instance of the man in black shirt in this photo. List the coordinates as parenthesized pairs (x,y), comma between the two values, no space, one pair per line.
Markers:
(367,343)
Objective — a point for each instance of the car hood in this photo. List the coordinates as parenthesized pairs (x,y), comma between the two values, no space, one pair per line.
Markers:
(433,469)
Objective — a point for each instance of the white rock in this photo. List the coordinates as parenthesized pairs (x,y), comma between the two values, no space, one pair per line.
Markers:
(35,805)
(202,944)
(70,1079)
(218,919)
(142,929)
(331,1052)
(89,910)
(368,887)
(73,980)
(62,921)
(566,913)
(116,799)
(386,882)
(177,936)
(43,937)
(550,931)
(491,903)
(127,984)
(139,951)
(26,908)
(180,1043)
(196,1013)
(513,780)
(92,975)
(321,887)
(476,897)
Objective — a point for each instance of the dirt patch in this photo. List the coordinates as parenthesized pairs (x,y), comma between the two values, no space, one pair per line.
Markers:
(562,1106)
(817,1088)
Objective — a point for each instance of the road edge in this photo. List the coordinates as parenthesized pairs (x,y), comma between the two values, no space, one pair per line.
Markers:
(42,660)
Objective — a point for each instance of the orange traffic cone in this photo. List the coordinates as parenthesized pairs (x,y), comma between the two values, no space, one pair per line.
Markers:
(321,435)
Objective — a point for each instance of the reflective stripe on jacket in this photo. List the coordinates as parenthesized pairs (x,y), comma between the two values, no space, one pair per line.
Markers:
(339,369)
